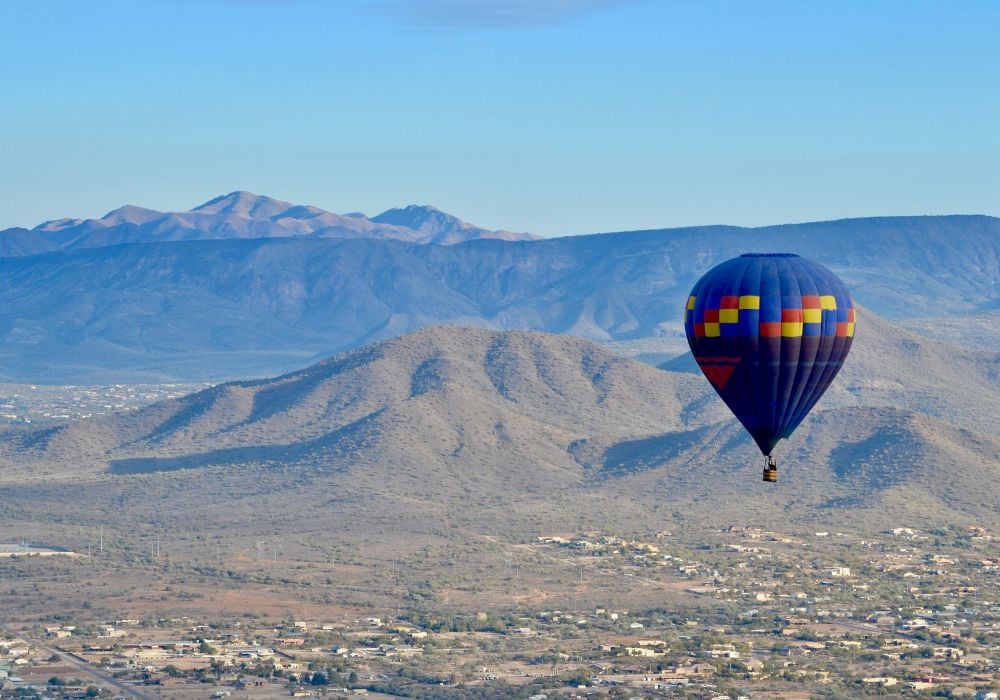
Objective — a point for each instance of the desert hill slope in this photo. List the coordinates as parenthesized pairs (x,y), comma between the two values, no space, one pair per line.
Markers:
(457,420)
(439,393)
(210,309)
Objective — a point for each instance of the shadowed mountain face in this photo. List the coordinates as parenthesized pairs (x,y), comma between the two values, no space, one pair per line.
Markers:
(449,419)
(197,310)
(244,215)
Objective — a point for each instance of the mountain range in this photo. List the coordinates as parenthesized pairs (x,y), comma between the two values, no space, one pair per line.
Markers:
(243,215)
(214,293)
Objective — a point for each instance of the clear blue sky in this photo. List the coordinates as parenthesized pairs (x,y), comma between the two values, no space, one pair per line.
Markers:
(551,116)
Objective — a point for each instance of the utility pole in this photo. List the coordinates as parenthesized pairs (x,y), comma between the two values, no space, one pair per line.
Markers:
(101,548)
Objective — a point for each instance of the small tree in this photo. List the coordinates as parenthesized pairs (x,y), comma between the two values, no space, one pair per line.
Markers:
(320,678)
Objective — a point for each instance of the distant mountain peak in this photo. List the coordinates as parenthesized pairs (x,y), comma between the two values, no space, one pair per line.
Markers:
(437,226)
(245,204)
(425,209)
(130,214)
(58,224)
(418,217)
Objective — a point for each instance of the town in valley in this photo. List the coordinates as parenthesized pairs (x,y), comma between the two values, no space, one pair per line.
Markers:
(753,614)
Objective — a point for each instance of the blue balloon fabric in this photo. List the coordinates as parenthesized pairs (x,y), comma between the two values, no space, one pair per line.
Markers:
(770,332)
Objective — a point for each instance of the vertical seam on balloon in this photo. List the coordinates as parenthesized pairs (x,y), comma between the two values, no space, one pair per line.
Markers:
(714,288)
(829,371)
(781,418)
(772,422)
(794,414)
(751,380)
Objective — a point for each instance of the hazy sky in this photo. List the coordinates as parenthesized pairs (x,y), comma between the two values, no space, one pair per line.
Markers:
(550,116)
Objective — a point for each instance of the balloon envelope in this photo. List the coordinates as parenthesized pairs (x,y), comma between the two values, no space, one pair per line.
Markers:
(770,332)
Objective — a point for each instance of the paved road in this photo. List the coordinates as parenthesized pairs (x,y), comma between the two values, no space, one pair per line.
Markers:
(94,672)
(81,665)
(872,629)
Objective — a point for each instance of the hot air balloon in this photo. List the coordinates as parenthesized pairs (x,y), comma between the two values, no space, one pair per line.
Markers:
(770,332)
